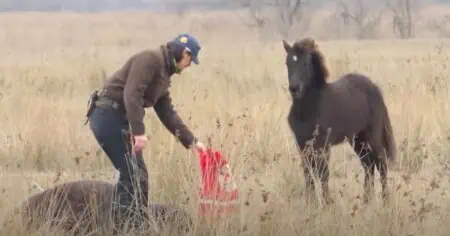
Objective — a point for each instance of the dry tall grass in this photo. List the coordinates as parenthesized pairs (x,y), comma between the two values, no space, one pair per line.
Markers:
(237,97)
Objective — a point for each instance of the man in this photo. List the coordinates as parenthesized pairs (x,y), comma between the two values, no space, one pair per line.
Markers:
(116,116)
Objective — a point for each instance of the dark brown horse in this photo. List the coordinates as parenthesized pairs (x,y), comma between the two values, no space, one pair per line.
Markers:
(86,205)
(324,114)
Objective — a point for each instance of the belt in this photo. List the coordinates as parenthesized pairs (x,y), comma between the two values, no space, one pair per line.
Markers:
(97,99)
(106,102)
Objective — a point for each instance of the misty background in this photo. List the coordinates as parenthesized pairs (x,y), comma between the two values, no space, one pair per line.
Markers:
(153,5)
(110,5)
(325,19)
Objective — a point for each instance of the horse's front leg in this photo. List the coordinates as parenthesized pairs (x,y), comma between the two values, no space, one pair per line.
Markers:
(309,167)
(309,164)
(324,174)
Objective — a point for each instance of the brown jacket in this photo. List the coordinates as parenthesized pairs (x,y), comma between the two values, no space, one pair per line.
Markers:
(144,82)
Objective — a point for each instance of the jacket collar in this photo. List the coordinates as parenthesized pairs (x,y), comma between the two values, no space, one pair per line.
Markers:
(168,60)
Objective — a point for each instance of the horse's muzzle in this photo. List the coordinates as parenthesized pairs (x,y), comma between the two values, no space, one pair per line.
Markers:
(296,91)
(293,89)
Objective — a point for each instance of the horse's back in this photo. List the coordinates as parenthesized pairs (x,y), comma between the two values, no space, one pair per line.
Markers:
(345,105)
(76,194)
(85,202)
(69,203)
(351,93)
(354,82)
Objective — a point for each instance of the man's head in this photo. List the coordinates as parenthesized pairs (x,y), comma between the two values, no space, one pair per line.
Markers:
(185,49)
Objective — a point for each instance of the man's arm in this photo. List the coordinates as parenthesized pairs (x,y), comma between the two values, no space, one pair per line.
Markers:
(139,76)
(169,117)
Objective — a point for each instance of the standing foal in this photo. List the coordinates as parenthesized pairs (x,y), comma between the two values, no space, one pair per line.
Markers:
(325,114)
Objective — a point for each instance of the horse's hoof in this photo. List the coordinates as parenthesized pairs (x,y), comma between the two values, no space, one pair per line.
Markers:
(311,200)
(329,201)
(368,197)
(387,199)
(367,200)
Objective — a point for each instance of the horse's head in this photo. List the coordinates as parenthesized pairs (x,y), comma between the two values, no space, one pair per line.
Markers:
(305,66)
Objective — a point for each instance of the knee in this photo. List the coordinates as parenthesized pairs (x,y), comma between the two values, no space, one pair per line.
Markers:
(143,177)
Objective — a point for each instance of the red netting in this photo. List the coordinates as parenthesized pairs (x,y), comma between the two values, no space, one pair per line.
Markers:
(218,193)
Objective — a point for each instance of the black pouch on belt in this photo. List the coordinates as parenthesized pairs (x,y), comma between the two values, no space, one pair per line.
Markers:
(91,105)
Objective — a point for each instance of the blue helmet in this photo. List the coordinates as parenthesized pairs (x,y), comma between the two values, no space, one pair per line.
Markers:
(190,43)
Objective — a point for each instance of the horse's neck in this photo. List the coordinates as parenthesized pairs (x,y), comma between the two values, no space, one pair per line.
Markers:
(307,105)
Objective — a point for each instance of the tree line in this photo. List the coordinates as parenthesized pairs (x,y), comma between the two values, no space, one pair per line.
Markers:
(167,5)
(108,5)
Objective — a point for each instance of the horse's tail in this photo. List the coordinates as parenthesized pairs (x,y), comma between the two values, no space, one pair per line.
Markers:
(388,138)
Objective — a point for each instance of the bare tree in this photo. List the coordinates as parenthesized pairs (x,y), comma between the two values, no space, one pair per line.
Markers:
(282,13)
(255,13)
(289,13)
(359,14)
(441,26)
(403,19)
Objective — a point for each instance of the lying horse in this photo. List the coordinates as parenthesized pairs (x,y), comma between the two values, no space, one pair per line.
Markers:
(324,114)
(87,205)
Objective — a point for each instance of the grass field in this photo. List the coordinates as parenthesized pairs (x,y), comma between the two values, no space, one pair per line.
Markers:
(237,98)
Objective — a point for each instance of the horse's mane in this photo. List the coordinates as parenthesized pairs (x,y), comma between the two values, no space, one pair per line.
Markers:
(308,45)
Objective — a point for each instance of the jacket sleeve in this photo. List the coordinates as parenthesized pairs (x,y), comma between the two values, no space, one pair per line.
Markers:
(169,117)
(140,73)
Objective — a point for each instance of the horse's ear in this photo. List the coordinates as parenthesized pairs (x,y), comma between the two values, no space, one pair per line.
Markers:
(286,46)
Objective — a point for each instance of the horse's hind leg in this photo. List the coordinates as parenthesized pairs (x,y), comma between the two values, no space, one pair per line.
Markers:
(383,170)
(380,162)
(368,161)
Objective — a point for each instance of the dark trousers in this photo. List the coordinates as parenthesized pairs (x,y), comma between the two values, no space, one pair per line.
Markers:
(111,130)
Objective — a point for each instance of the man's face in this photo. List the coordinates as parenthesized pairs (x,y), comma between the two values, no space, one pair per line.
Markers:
(185,61)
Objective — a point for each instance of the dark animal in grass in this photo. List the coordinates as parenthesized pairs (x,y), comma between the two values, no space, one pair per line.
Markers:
(324,114)
(85,205)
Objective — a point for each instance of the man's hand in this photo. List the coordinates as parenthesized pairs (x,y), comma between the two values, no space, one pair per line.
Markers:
(198,148)
(139,142)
